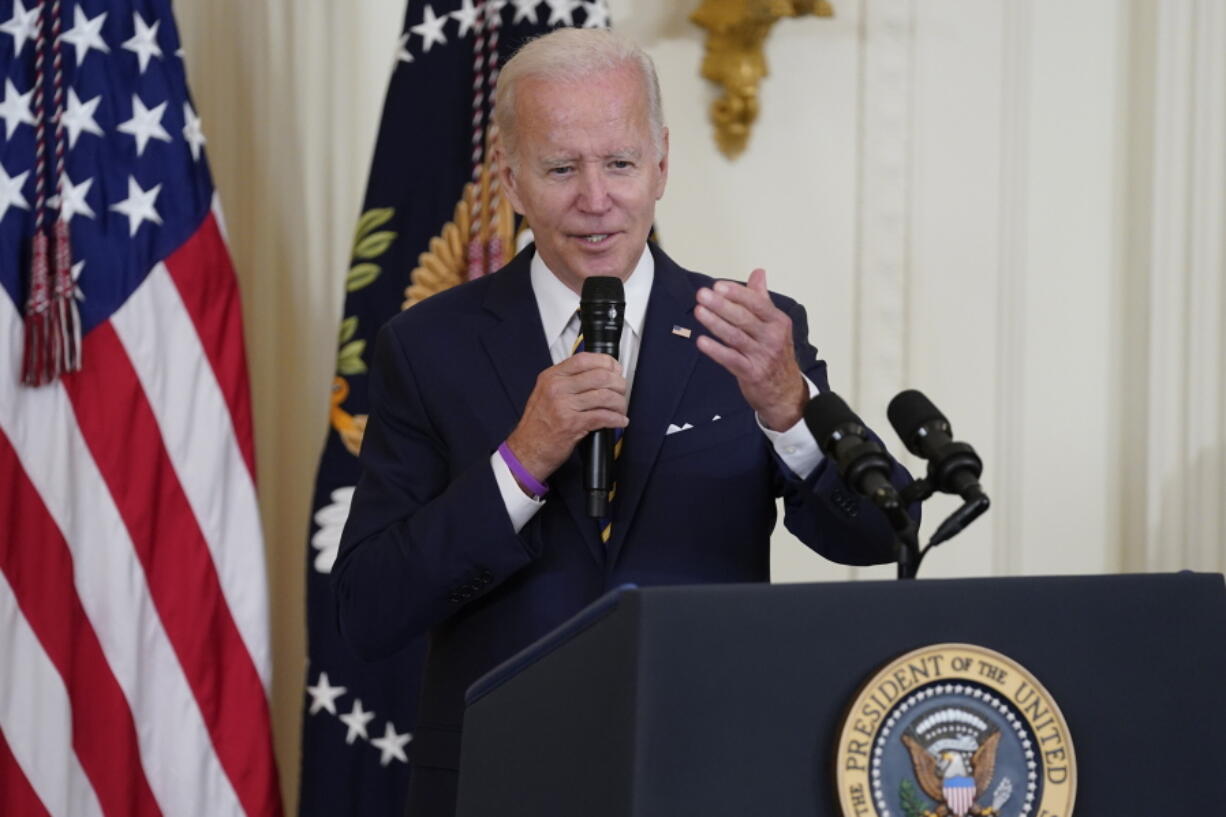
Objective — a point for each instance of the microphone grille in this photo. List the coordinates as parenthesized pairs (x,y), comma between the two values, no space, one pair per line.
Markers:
(825,413)
(606,288)
(909,410)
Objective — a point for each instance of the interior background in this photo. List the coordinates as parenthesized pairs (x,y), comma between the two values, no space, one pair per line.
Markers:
(1017,207)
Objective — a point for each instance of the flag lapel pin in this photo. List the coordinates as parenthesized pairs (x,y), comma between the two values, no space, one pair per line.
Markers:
(682,331)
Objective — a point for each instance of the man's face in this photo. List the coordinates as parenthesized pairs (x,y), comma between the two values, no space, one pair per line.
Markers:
(586,174)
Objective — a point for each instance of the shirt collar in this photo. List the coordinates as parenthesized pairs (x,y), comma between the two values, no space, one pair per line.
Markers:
(557,302)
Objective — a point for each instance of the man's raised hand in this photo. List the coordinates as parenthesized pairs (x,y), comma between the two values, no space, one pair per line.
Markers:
(752,339)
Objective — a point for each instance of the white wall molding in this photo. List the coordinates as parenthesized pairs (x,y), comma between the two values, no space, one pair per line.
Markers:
(884,213)
(883,217)
(1186,422)
(1008,511)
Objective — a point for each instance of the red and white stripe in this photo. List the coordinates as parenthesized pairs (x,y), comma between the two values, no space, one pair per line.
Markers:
(134,655)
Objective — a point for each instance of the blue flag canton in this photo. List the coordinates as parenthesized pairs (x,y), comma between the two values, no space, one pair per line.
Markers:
(135,184)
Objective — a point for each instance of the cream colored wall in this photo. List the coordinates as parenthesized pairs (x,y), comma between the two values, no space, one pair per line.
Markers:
(290,94)
(1016,207)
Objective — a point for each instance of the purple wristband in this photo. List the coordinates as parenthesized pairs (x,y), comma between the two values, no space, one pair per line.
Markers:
(538,489)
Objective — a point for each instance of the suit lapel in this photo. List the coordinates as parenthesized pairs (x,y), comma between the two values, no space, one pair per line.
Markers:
(517,347)
(665,364)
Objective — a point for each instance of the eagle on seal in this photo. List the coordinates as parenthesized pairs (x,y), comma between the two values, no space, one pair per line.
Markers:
(946,779)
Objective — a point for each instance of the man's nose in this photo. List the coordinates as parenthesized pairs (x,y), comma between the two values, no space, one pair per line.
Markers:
(593,190)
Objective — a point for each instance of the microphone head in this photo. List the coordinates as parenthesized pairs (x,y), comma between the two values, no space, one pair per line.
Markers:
(603,289)
(826,415)
(602,311)
(910,411)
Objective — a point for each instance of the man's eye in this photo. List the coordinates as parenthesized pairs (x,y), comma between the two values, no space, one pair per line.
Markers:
(560,171)
(621,164)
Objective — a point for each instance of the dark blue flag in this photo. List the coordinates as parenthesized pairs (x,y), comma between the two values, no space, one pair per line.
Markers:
(432,217)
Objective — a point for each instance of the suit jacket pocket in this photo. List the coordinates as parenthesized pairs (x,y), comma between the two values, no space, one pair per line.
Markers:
(728,427)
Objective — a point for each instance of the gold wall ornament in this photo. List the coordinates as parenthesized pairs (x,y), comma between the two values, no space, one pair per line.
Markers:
(445,263)
(736,31)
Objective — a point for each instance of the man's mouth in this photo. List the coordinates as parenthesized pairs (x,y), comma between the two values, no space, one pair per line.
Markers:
(594,239)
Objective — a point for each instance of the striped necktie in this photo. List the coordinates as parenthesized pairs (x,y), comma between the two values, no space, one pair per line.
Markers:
(605,523)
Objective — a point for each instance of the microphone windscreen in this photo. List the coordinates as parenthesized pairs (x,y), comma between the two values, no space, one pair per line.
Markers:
(825,413)
(603,289)
(909,410)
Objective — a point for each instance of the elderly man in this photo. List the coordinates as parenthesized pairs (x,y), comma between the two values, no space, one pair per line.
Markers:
(469,522)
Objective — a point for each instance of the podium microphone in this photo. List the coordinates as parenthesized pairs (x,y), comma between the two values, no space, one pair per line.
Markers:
(841,435)
(953,468)
(602,307)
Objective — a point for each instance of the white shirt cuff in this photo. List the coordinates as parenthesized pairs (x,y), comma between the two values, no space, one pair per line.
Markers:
(795,446)
(520,506)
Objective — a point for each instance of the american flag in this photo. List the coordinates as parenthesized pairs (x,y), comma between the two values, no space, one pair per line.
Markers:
(134,653)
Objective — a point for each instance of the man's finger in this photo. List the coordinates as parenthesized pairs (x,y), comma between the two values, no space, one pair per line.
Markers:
(756,300)
(729,358)
(732,311)
(603,418)
(587,361)
(607,399)
(731,334)
(593,379)
(757,281)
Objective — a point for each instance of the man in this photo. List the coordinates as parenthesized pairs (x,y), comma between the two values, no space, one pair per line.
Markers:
(469,522)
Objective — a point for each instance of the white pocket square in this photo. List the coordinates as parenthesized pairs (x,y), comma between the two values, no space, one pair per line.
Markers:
(673,428)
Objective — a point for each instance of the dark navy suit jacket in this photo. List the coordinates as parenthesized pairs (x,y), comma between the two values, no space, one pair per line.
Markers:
(429,547)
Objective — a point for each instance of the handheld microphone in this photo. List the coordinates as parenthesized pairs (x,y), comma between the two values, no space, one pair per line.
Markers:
(841,435)
(602,308)
(953,467)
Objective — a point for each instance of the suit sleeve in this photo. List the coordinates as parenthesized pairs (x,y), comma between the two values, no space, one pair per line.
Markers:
(821,510)
(423,538)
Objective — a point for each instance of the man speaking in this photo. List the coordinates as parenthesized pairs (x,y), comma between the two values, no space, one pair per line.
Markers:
(471,522)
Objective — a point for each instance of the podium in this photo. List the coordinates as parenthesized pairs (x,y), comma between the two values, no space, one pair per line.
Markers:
(730,699)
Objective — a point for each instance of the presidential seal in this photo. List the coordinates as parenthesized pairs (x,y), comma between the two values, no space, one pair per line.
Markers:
(955,729)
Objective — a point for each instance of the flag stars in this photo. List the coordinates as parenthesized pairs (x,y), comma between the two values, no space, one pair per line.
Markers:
(138,207)
(391,745)
(145,124)
(356,721)
(430,29)
(15,109)
(78,117)
(561,11)
(596,14)
(144,42)
(467,16)
(525,10)
(71,200)
(85,34)
(22,26)
(402,50)
(324,695)
(77,269)
(191,131)
(10,191)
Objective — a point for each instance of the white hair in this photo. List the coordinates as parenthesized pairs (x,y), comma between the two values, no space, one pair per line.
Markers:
(570,55)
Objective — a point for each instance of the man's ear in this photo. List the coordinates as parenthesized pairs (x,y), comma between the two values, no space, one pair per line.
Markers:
(663,167)
(509,179)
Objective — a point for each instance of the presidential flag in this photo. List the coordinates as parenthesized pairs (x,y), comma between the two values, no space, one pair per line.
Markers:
(134,652)
(433,217)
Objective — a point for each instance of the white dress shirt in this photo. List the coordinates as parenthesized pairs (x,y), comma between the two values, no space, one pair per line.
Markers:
(558,304)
